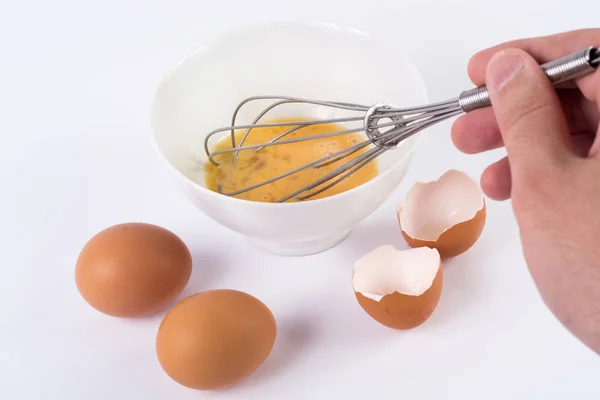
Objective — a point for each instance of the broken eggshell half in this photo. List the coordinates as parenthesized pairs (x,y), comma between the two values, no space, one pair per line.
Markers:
(399,288)
(447,214)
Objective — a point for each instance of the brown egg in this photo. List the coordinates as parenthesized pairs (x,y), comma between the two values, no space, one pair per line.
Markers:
(132,269)
(399,289)
(447,214)
(214,339)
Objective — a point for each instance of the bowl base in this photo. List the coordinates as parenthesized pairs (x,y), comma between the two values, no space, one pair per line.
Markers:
(299,248)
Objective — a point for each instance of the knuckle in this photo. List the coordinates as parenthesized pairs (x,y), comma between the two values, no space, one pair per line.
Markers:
(525,202)
(525,113)
(533,175)
(530,214)
(535,190)
(542,196)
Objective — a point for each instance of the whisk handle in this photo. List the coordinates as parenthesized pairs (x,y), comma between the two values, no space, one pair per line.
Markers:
(560,70)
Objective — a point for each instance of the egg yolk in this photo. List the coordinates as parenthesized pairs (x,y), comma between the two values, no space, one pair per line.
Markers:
(253,167)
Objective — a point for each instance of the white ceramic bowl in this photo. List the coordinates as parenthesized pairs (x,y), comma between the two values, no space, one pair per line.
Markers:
(312,60)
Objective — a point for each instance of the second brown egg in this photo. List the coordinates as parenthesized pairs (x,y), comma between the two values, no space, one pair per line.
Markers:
(214,339)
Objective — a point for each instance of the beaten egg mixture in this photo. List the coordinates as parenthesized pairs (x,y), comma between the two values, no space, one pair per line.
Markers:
(252,167)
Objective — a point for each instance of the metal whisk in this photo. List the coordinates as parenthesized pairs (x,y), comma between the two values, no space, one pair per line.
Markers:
(401,123)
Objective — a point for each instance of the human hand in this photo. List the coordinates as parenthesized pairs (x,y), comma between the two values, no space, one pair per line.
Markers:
(552,168)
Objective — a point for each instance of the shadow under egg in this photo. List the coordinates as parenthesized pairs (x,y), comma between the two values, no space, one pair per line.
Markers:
(295,334)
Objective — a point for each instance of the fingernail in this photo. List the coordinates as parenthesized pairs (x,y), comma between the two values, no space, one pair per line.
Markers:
(503,67)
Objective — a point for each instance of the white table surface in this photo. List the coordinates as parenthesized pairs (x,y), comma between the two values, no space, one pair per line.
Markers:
(76,82)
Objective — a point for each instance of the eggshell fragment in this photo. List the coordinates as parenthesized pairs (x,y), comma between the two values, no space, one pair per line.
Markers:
(214,339)
(132,269)
(399,289)
(447,214)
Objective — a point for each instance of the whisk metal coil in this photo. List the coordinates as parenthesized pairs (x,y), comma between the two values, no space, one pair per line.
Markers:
(385,126)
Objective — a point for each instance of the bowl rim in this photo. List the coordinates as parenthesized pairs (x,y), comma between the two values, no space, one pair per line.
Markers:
(268,25)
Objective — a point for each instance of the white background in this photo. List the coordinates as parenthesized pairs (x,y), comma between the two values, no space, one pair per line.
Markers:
(76,83)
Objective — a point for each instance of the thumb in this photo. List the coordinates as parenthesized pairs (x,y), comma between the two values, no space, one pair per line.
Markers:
(529,115)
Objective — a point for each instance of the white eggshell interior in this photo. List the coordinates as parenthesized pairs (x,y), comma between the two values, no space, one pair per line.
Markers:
(431,208)
(386,270)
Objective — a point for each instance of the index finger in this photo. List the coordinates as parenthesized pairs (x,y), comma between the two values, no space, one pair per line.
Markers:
(544,49)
